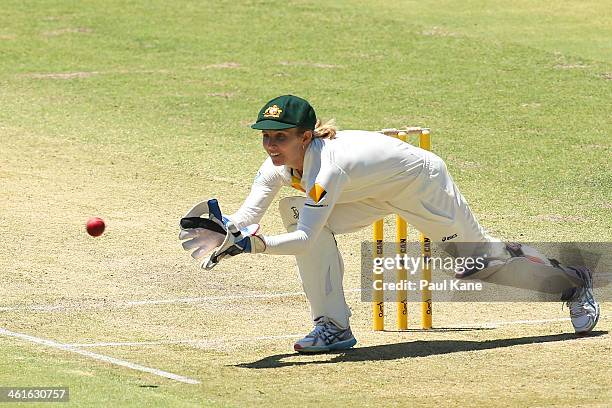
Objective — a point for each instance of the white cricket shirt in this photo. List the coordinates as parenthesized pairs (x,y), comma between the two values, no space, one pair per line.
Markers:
(354,166)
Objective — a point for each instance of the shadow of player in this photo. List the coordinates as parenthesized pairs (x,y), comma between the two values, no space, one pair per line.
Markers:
(410,349)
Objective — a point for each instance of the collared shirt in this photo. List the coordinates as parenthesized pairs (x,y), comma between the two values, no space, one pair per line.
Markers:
(354,166)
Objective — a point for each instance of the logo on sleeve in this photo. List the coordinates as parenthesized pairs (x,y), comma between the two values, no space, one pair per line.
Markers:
(317,192)
(273,112)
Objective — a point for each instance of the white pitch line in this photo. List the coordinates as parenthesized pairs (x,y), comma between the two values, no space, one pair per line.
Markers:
(96,356)
(194,342)
(226,297)
(213,298)
(540,321)
(32,308)
(295,336)
(518,322)
(133,303)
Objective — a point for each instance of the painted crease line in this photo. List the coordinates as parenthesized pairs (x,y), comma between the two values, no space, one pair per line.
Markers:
(286,336)
(99,357)
(51,308)
(194,342)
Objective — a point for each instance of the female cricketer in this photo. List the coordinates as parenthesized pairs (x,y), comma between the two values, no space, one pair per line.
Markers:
(351,179)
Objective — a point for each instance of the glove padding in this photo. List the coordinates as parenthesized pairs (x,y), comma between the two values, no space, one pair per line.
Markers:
(206,230)
(236,242)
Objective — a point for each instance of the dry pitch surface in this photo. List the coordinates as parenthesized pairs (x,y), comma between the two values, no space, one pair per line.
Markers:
(134,295)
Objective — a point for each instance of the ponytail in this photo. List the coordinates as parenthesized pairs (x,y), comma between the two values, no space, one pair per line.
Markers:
(325,130)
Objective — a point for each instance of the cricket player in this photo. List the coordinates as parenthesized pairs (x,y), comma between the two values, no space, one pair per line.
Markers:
(351,179)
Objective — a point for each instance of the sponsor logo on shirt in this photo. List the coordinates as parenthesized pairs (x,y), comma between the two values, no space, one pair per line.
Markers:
(317,193)
(296,213)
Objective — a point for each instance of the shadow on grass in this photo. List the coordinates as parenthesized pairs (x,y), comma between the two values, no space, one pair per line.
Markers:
(410,349)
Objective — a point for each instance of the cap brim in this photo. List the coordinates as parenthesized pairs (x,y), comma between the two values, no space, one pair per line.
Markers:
(271,125)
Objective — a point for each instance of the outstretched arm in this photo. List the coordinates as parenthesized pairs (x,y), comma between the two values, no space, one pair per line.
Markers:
(266,185)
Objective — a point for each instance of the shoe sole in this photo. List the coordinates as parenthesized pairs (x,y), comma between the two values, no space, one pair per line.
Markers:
(341,345)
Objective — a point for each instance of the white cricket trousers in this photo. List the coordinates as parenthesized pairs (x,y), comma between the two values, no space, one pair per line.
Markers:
(433,204)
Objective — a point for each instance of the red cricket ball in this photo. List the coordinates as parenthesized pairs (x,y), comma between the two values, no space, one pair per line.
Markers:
(95,226)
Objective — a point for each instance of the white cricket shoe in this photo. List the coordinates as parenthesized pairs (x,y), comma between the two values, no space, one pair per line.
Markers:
(325,336)
(584,309)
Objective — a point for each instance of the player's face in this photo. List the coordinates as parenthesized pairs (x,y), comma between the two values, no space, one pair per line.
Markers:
(285,147)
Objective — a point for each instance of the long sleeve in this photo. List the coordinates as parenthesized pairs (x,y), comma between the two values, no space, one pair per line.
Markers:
(266,185)
(319,204)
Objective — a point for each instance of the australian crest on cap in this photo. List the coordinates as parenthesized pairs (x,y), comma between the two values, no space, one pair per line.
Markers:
(273,112)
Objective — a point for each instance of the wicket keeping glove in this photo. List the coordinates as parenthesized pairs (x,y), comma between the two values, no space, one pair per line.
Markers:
(206,230)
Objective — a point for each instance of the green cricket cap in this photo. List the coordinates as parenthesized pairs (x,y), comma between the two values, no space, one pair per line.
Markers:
(284,112)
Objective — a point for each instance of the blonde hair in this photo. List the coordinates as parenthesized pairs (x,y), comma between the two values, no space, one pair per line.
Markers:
(325,130)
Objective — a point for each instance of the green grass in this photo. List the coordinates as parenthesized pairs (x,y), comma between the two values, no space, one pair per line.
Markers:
(508,110)
(91,385)
(135,110)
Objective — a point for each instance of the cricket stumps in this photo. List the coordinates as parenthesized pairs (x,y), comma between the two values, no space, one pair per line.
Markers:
(401,236)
